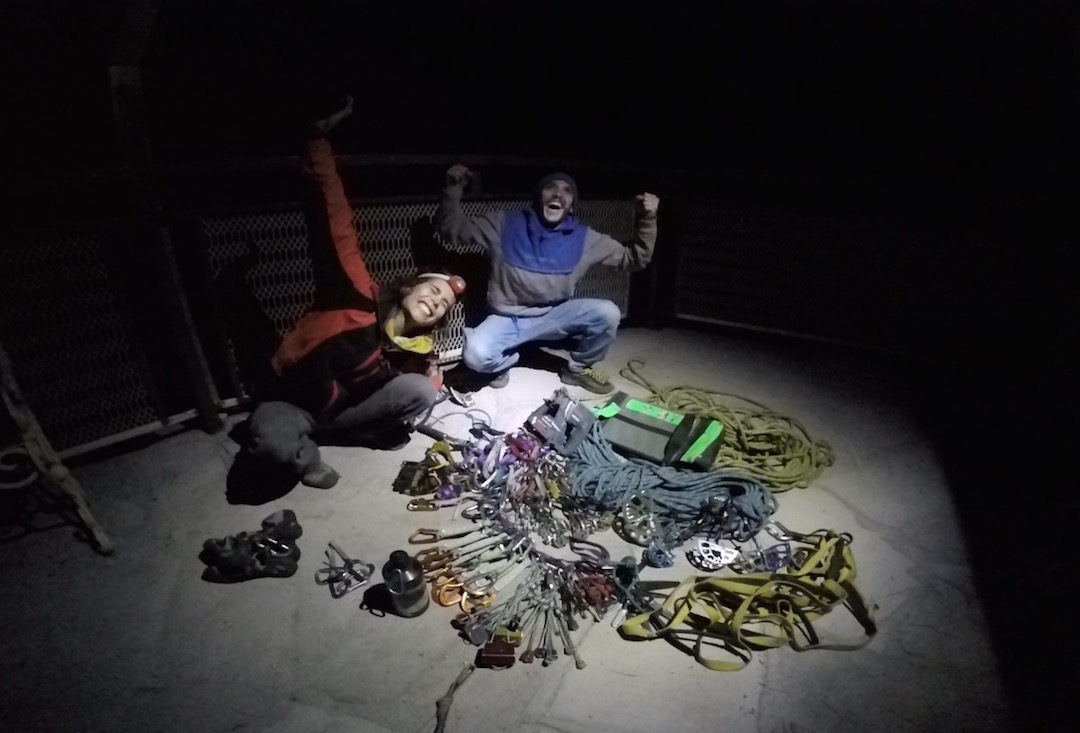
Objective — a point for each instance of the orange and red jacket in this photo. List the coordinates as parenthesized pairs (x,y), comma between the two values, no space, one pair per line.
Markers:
(333,356)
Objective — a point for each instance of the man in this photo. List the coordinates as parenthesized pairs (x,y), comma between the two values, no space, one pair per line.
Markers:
(537,255)
(333,369)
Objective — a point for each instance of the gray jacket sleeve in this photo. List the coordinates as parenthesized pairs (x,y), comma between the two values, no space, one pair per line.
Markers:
(460,231)
(635,255)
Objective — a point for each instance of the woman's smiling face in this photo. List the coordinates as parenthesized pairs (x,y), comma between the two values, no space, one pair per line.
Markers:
(427,303)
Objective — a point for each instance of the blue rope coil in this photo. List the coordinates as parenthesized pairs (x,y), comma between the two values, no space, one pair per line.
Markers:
(602,478)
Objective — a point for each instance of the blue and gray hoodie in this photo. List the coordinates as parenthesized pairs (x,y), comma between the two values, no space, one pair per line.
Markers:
(533,267)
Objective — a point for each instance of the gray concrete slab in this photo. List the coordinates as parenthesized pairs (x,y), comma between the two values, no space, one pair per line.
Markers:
(138,642)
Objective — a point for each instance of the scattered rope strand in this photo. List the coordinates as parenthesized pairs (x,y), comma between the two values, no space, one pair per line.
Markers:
(776,450)
(442,705)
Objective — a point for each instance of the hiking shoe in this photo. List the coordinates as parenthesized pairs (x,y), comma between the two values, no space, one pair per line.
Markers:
(282,526)
(320,476)
(248,556)
(589,378)
(229,554)
(466,380)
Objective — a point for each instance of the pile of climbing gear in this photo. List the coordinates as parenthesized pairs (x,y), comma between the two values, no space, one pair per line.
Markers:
(558,480)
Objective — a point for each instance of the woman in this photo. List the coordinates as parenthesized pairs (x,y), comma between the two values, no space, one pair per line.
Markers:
(334,374)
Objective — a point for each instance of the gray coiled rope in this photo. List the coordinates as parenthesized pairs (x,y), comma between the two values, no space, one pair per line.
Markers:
(602,478)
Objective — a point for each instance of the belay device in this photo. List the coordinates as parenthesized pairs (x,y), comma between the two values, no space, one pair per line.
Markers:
(561,422)
(643,430)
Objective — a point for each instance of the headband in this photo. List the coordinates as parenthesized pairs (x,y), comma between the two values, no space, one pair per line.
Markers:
(457,283)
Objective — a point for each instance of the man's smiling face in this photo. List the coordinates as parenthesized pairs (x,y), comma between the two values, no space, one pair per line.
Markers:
(556,202)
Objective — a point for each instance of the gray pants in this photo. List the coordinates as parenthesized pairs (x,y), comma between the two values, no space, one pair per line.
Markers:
(280,433)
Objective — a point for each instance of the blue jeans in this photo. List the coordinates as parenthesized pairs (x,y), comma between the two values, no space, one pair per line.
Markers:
(589,323)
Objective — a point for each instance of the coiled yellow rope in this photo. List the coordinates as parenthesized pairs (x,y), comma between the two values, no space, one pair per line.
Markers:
(774,449)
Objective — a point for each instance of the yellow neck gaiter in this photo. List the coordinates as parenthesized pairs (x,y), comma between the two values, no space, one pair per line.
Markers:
(423,344)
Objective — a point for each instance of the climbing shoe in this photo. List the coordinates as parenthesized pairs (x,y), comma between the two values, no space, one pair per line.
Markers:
(589,378)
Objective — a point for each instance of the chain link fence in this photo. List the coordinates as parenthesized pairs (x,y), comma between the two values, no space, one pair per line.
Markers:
(64,325)
(844,280)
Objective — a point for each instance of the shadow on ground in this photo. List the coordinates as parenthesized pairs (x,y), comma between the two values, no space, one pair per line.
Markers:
(1005,431)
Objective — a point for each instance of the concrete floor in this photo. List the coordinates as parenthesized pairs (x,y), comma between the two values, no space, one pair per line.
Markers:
(138,642)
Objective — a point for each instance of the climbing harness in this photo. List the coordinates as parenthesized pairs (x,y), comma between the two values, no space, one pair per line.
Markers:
(760,610)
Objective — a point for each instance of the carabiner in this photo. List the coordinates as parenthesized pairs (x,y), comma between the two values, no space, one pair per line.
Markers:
(470,508)
(424,536)
(446,591)
(470,602)
(434,558)
(783,534)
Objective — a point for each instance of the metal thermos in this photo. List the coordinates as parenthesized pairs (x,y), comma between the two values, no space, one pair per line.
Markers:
(404,578)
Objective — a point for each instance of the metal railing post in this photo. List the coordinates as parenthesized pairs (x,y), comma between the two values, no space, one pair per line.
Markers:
(133,138)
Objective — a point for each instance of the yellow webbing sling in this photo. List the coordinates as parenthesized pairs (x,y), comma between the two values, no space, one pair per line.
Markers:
(741,614)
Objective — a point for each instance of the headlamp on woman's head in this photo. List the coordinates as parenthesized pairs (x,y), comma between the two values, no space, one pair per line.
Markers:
(457,282)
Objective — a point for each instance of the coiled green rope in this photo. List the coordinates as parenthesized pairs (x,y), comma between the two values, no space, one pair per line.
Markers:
(774,449)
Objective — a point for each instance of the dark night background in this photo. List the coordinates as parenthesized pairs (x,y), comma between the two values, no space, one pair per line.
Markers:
(945,115)
(930,99)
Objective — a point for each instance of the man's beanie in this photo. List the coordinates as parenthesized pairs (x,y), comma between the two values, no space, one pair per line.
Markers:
(556,177)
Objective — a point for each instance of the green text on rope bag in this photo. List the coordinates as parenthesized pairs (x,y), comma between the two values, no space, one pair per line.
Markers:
(644,430)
